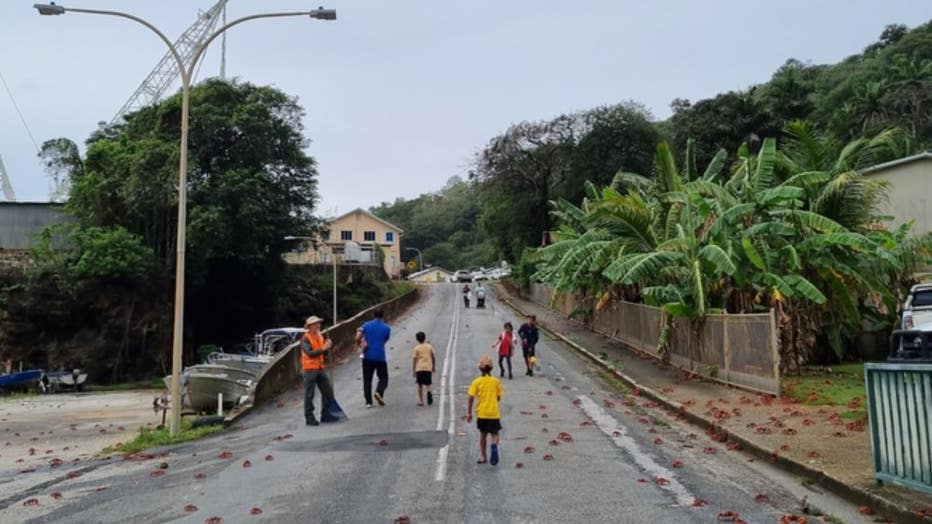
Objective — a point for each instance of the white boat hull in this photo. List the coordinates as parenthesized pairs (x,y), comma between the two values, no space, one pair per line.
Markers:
(203,389)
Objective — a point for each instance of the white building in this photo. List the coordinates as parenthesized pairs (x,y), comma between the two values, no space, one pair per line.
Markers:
(910,194)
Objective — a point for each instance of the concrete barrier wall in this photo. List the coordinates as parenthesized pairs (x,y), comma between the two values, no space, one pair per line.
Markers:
(284,372)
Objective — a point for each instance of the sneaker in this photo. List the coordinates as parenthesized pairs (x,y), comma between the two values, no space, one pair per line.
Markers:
(430,398)
(378,398)
(527,373)
(493,459)
(510,376)
(312,422)
(368,406)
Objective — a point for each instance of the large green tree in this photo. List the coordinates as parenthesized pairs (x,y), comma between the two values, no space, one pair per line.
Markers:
(532,163)
(250,183)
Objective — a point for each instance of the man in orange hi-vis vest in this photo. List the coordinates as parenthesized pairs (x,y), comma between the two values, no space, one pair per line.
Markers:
(313,348)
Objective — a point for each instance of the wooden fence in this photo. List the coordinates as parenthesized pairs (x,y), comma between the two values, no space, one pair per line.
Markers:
(739,350)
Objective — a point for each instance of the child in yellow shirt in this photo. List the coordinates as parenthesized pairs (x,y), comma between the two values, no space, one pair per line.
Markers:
(488,418)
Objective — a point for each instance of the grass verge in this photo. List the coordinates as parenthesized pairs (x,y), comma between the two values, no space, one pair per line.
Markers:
(150,438)
(17,395)
(401,287)
(841,385)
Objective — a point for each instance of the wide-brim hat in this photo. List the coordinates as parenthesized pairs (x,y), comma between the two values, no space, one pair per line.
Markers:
(313,319)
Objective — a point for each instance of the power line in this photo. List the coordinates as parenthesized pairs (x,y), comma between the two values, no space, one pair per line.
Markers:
(20,113)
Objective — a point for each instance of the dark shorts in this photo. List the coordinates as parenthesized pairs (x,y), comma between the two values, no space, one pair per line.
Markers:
(423,378)
(489,425)
(528,351)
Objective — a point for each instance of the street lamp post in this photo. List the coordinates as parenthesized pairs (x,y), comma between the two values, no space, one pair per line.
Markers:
(420,257)
(187,73)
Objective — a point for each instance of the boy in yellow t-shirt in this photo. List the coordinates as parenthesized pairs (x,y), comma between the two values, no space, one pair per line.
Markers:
(488,419)
(423,366)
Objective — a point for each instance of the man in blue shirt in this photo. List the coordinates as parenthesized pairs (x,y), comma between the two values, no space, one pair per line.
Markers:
(372,336)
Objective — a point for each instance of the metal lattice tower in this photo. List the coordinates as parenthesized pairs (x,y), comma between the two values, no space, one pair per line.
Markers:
(5,186)
(166,72)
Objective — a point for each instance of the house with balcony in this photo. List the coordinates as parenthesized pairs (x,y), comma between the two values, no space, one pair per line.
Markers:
(357,237)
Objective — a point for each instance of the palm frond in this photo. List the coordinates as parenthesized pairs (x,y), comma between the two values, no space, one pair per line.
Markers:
(763,174)
(715,166)
(803,287)
(716,257)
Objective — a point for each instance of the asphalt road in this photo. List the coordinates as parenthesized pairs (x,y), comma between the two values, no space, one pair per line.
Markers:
(620,460)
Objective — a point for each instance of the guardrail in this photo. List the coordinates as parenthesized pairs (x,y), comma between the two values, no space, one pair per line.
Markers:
(899,407)
(284,372)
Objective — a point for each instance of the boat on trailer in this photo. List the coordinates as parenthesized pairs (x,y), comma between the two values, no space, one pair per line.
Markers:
(204,390)
(221,369)
(21,381)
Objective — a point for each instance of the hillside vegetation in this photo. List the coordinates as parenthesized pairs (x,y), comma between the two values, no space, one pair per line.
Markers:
(503,206)
(748,201)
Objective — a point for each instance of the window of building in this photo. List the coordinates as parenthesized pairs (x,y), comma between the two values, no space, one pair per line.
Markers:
(346,235)
(368,236)
(389,236)
(326,235)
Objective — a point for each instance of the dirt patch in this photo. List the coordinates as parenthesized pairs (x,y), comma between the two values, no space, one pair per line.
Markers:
(39,431)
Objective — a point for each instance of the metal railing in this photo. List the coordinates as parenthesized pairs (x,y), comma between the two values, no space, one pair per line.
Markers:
(899,407)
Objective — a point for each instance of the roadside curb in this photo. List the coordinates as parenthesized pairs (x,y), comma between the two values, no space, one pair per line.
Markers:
(853,494)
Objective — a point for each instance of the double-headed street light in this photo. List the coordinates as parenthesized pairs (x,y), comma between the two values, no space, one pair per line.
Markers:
(187,74)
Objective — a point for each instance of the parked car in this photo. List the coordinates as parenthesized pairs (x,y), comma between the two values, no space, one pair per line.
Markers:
(917,309)
(462,276)
(913,343)
(498,273)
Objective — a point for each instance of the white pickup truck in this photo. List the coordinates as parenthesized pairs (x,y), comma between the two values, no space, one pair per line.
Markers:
(913,342)
(917,310)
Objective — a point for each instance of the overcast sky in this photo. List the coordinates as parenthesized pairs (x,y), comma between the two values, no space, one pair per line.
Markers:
(400,95)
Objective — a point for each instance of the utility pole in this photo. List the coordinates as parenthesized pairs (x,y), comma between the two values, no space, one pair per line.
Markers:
(223,46)
(5,186)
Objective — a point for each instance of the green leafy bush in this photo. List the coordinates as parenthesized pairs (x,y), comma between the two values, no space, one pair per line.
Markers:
(108,253)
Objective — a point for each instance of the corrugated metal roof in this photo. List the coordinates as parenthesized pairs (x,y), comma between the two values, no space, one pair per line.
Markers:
(925,155)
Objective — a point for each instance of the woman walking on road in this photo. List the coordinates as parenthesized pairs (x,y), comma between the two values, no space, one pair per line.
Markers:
(467,294)
(505,345)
